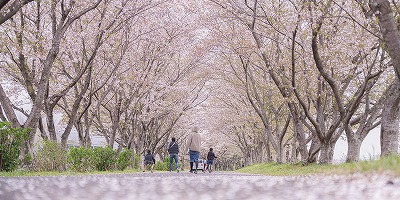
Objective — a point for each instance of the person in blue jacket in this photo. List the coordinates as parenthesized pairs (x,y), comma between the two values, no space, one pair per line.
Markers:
(173,150)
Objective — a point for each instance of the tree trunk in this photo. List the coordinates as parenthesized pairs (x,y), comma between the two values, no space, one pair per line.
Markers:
(299,133)
(294,152)
(71,122)
(388,26)
(326,153)
(353,150)
(86,138)
(50,124)
(314,149)
(279,155)
(115,117)
(43,133)
(390,121)
(75,108)
(8,110)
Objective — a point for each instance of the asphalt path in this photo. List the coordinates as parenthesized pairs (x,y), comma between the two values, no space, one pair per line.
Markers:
(201,186)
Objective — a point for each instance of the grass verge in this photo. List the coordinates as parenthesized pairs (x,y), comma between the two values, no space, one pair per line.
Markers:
(66,173)
(390,164)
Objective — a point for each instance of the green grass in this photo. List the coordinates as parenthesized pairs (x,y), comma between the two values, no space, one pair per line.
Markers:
(66,173)
(390,164)
(276,169)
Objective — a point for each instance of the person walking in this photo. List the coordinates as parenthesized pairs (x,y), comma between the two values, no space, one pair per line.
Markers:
(210,159)
(149,160)
(173,150)
(193,145)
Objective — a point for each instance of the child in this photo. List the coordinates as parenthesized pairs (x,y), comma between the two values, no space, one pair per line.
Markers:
(210,159)
(149,160)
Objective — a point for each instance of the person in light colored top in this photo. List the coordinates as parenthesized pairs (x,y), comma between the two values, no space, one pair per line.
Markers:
(193,145)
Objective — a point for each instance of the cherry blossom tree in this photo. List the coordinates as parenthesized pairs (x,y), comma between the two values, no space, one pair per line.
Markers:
(69,12)
(386,13)
(158,84)
(9,8)
(332,102)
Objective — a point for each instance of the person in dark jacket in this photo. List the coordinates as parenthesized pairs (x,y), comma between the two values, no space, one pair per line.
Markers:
(173,150)
(149,160)
(210,159)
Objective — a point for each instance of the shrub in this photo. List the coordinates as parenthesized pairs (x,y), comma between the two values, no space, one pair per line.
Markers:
(80,159)
(163,166)
(51,156)
(124,159)
(11,140)
(104,158)
(27,161)
(137,159)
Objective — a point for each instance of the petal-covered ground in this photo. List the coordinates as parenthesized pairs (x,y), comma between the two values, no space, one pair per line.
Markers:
(201,186)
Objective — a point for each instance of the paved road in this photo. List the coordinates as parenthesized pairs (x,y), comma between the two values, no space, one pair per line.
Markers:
(202,186)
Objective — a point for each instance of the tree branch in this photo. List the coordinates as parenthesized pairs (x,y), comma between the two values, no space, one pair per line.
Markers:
(12,10)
